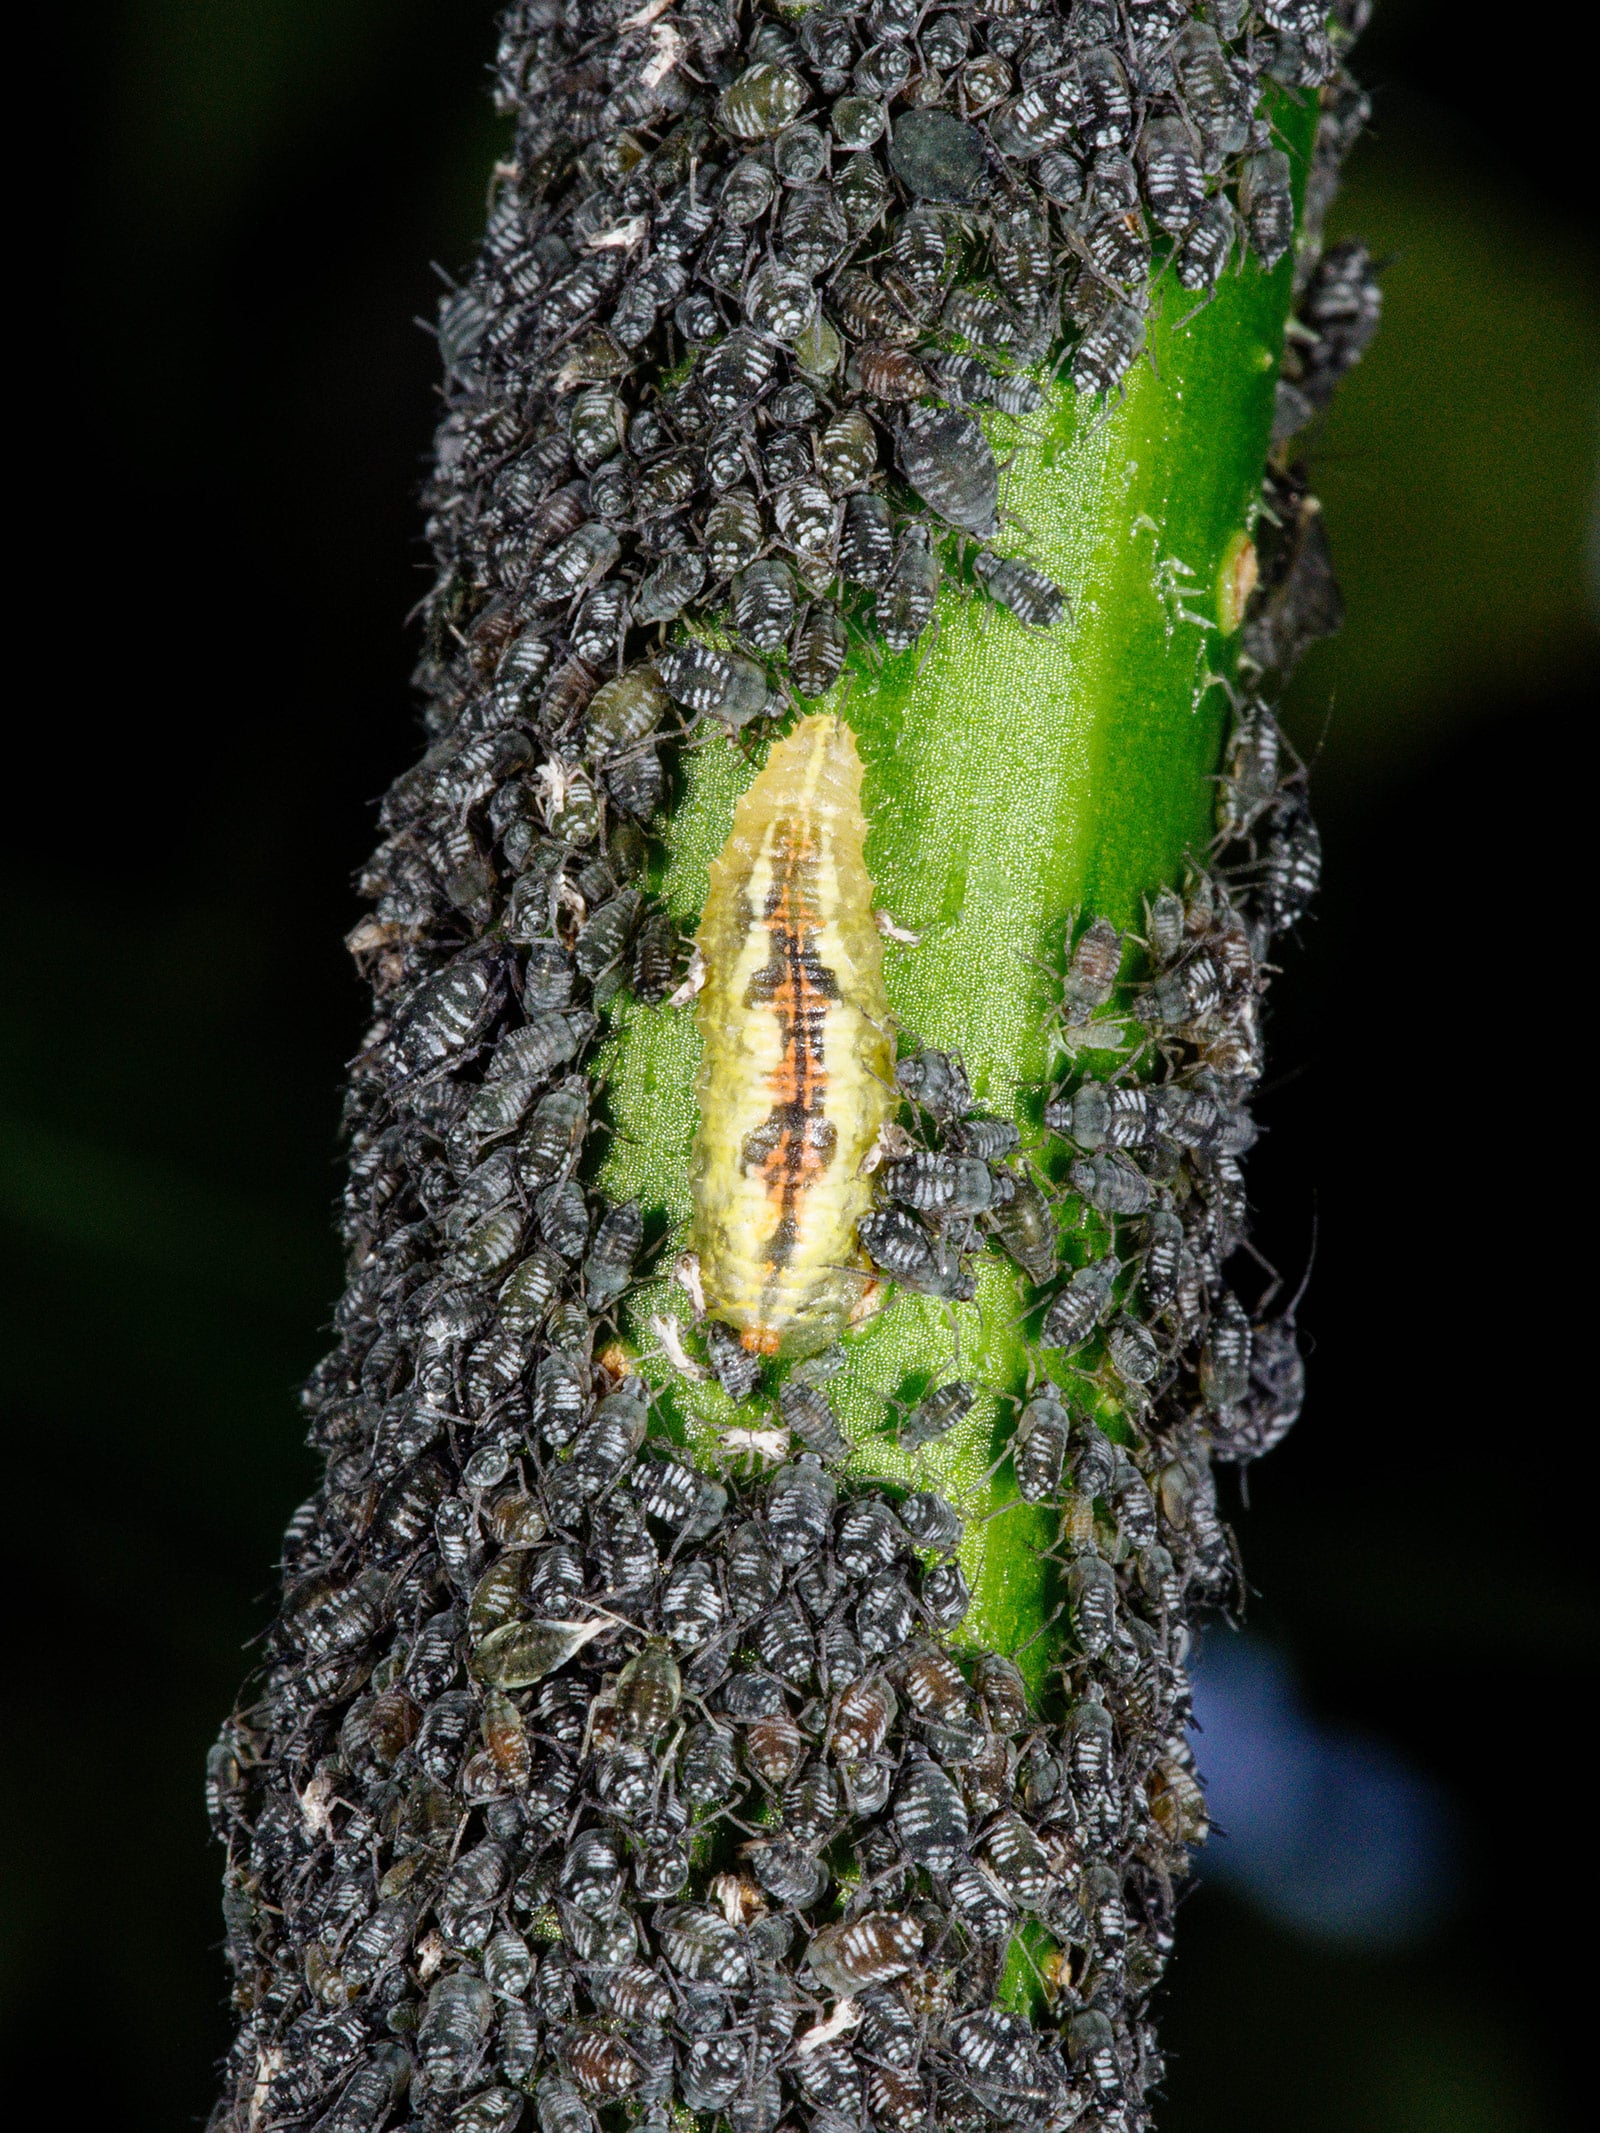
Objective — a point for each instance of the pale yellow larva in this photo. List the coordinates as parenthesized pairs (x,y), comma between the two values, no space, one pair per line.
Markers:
(797,1074)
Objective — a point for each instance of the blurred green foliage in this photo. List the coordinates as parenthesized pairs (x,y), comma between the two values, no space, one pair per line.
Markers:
(1458,463)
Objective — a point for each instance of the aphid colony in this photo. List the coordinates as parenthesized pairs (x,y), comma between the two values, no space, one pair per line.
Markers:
(794,1081)
(712,382)
(576,1785)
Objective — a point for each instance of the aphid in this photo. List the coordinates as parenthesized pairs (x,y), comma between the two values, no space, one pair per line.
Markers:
(553,1134)
(1174,182)
(862,191)
(884,373)
(1060,178)
(747,192)
(964,378)
(986,1138)
(869,1539)
(765,98)
(753,1694)
(930,1521)
(1266,204)
(1044,116)
(591,1873)
(649,1689)
(654,969)
(677,1495)
(884,1614)
(929,1814)
(596,2062)
(605,936)
(1025,1225)
(562,1209)
(553,520)
(561,2109)
(1226,1355)
(1091,2042)
(773,1746)
(612,1251)
(1292,872)
(936,1183)
(818,655)
(708,1771)
(900,1245)
(934,1684)
(489,1245)
(1092,971)
(1028,593)
(444,1013)
(579,562)
(847,451)
(667,589)
(783,1642)
(763,604)
(946,1595)
(692,1610)
(1094,1460)
(935,1414)
(779,301)
(799,155)
(1080,1304)
(804,515)
(454,2029)
(1110,1183)
(866,1951)
(981,1904)
(811,1803)
(696,674)
(1132,1352)
(1018,1861)
(1104,355)
(507,1964)
(948,461)
(813,232)
(733,373)
(799,1509)
(737,1370)
(1276,1393)
(792,1088)
(905,605)
(1205,251)
(1210,93)
(866,542)
(1020,246)
(1092,1597)
(1039,1447)
(806,1413)
(1118,247)
(598,426)
(862,1718)
(1133,1504)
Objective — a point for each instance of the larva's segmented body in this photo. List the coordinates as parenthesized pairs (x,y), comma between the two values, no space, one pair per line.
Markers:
(797,1075)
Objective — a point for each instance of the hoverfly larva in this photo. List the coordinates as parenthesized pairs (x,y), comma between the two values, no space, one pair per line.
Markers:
(796,1078)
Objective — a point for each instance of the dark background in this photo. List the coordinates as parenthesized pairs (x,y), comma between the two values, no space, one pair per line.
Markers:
(215,459)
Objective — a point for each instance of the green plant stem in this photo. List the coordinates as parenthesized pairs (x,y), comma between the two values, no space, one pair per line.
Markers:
(1013,775)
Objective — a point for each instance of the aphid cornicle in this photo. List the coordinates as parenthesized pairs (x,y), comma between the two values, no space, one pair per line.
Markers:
(794,1084)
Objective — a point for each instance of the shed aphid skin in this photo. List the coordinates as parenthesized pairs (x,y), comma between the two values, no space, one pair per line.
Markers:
(796,1079)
